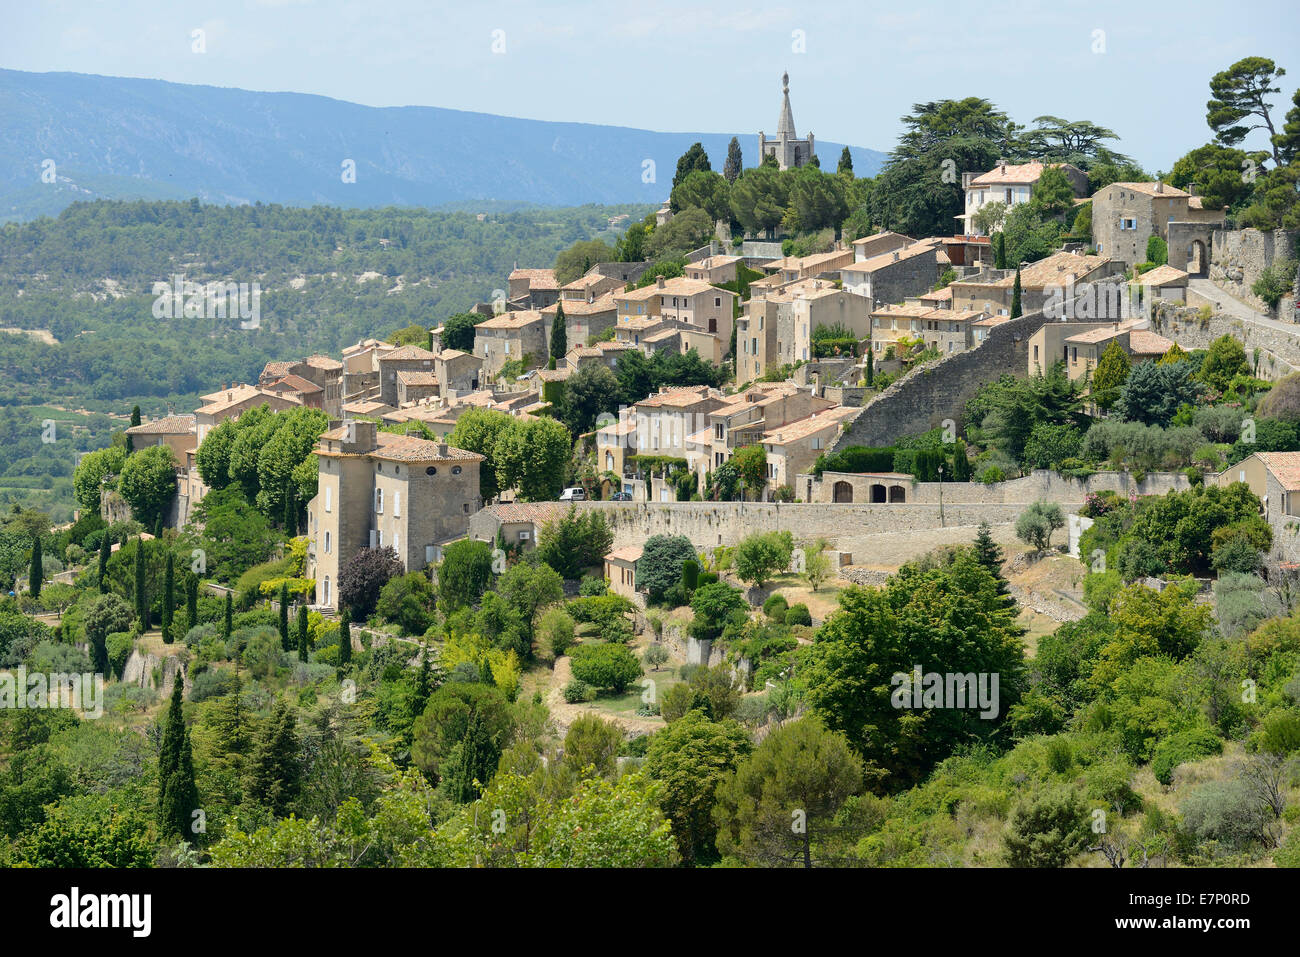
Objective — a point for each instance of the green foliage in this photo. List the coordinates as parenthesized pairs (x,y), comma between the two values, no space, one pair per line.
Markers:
(760,556)
(690,758)
(1046,829)
(1181,747)
(575,542)
(464,573)
(610,666)
(1035,524)
(943,619)
(661,561)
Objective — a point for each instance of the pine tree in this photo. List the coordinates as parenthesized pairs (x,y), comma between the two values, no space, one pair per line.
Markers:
(169,599)
(227,619)
(735,163)
(304,639)
(345,638)
(1015,296)
(37,572)
(285,641)
(141,599)
(846,162)
(274,770)
(559,337)
(987,552)
(105,550)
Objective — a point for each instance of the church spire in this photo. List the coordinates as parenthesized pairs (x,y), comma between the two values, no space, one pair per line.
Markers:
(785,125)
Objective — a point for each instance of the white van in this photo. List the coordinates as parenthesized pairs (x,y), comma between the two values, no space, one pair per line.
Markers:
(573,495)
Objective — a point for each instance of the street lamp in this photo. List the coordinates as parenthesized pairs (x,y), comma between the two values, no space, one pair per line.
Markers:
(941,496)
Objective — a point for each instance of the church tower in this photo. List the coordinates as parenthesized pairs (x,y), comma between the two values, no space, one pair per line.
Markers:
(789,150)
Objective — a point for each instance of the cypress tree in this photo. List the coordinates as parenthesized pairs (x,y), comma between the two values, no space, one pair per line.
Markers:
(559,336)
(179,797)
(290,510)
(345,638)
(304,640)
(871,364)
(285,641)
(169,599)
(105,549)
(846,162)
(135,420)
(1015,296)
(999,251)
(227,618)
(173,743)
(37,572)
(422,684)
(735,162)
(141,599)
(191,600)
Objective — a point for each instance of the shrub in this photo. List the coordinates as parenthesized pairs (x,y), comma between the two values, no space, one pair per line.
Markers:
(992,474)
(798,615)
(555,631)
(577,691)
(214,683)
(591,586)
(775,607)
(610,666)
(119,645)
(1227,812)
(1180,748)
(363,576)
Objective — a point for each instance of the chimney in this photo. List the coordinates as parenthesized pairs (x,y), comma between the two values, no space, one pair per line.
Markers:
(659,282)
(1160,187)
(1002,164)
(895,255)
(442,449)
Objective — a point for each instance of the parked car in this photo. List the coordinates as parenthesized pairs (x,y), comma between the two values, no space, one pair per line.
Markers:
(573,495)
(623,496)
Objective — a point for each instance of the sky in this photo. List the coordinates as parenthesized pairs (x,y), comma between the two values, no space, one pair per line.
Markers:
(855,67)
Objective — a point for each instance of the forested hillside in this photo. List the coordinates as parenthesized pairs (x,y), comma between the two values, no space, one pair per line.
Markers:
(328,277)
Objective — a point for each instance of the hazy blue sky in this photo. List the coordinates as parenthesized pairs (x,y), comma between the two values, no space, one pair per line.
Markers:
(697,66)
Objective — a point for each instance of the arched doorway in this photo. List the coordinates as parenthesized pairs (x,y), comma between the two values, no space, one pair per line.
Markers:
(877,494)
(897,494)
(1196,261)
(842,492)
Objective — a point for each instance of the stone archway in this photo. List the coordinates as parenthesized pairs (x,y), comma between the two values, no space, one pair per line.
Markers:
(842,492)
(1197,262)
(897,494)
(878,494)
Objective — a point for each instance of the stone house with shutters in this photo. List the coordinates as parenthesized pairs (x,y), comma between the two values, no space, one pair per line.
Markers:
(379,489)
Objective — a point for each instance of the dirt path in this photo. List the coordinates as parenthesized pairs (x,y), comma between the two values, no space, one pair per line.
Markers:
(564,714)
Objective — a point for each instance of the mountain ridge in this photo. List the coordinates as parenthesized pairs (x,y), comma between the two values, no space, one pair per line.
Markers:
(132,138)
